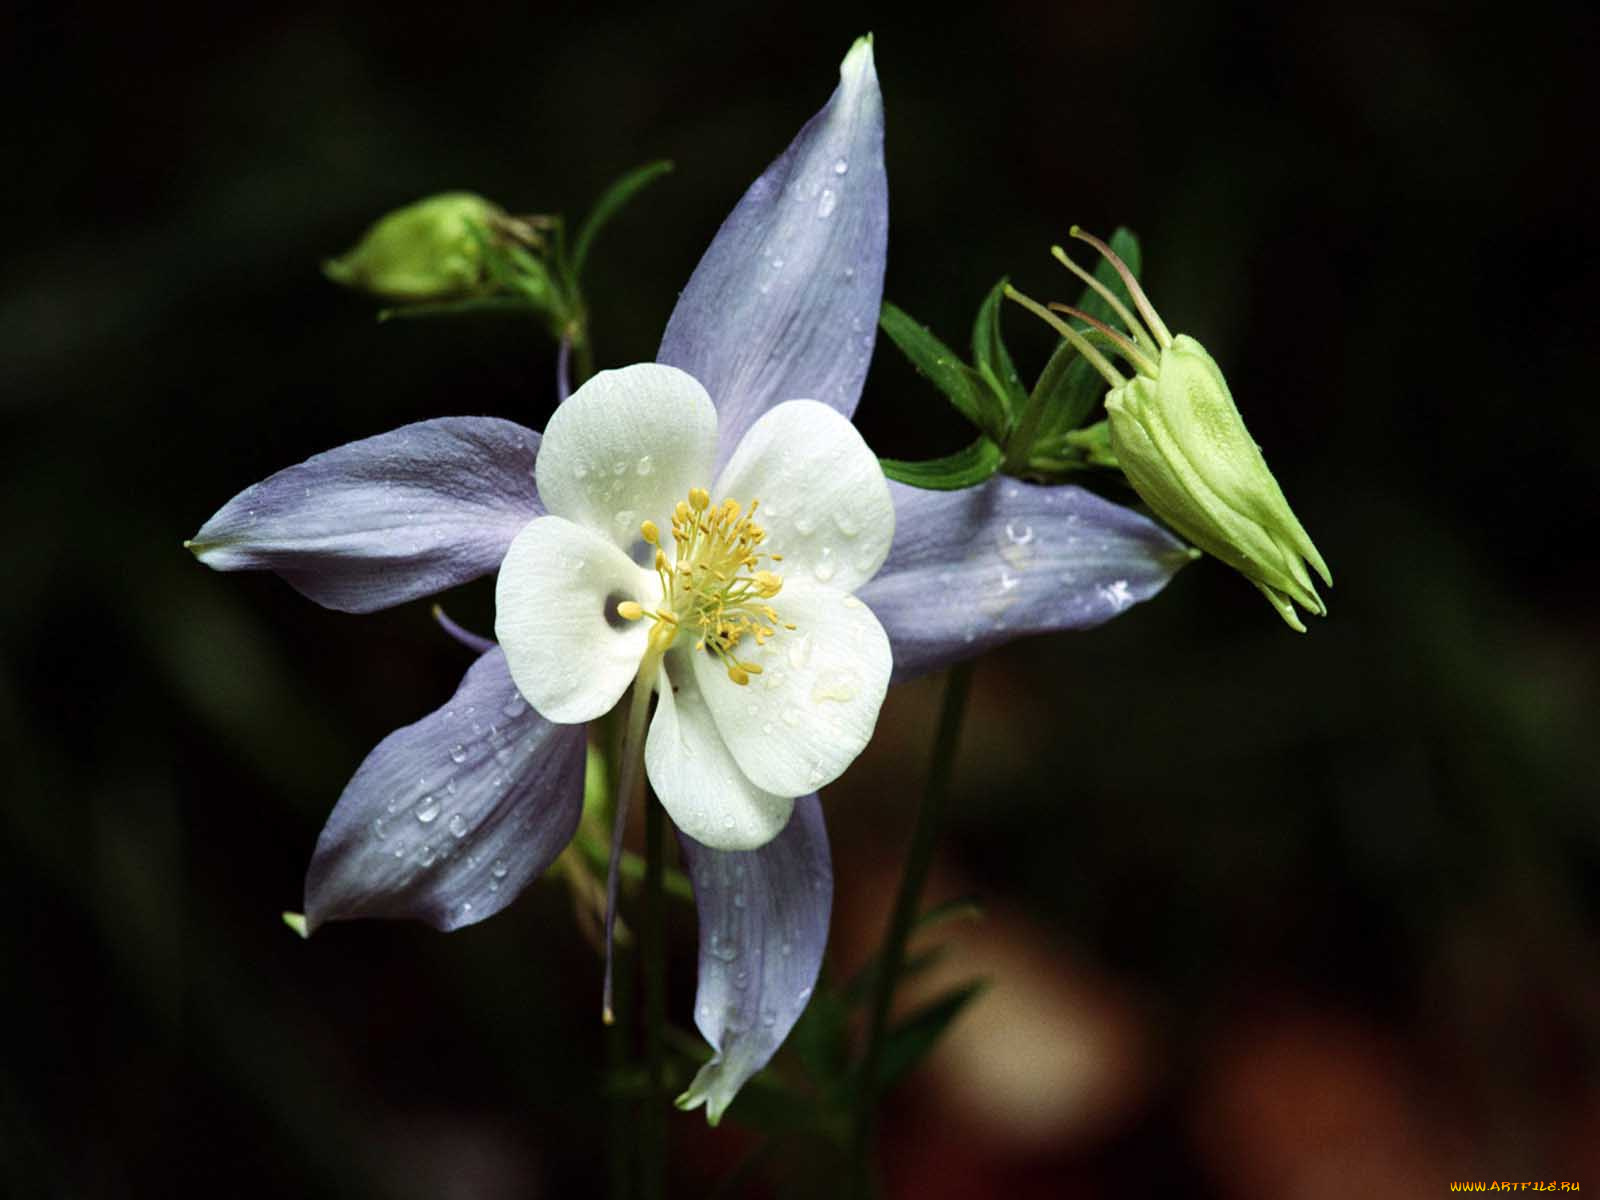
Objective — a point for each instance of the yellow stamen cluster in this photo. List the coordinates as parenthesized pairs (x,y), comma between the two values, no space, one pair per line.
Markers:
(716,585)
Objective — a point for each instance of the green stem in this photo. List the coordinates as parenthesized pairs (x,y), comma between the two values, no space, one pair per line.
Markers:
(930,822)
(653,1128)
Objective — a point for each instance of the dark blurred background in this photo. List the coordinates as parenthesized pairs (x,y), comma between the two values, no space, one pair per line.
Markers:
(1267,915)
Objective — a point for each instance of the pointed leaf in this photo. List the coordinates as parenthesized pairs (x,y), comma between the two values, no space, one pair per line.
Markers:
(963,387)
(990,356)
(966,467)
(612,201)
(911,1041)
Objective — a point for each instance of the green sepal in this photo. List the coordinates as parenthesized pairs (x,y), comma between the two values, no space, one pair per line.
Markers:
(971,394)
(992,359)
(910,1041)
(612,201)
(1093,442)
(970,465)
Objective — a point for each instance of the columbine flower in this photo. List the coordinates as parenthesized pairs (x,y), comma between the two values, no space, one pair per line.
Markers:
(449,819)
(770,672)
(1180,440)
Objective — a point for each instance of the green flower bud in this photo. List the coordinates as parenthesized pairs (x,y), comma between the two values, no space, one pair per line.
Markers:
(1180,440)
(430,250)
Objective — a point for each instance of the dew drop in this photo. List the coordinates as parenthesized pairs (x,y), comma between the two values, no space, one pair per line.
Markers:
(645,465)
(805,525)
(800,652)
(825,568)
(458,826)
(516,706)
(619,468)
(458,753)
(426,854)
(846,523)
(772,680)
(777,264)
(769,1018)
(738,899)
(380,828)
(499,870)
(826,203)
(767,728)
(851,602)
(742,980)
(836,685)
(840,166)
(428,810)
(1019,533)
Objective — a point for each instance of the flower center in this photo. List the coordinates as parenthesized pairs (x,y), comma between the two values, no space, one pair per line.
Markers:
(716,587)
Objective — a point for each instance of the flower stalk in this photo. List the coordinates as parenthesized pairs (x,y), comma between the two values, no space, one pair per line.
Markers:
(907,902)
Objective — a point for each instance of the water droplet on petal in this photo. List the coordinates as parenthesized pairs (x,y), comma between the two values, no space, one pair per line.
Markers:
(840,166)
(826,203)
(458,826)
(458,753)
(516,706)
(380,828)
(426,854)
(824,568)
(645,465)
(499,870)
(1019,532)
(428,809)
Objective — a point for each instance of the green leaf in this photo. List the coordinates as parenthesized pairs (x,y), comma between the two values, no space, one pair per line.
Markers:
(1068,390)
(472,306)
(965,388)
(612,201)
(992,359)
(911,1040)
(966,467)
(962,908)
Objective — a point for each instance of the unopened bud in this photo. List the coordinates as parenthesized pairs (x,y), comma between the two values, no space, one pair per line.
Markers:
(1178,436)
(430,250)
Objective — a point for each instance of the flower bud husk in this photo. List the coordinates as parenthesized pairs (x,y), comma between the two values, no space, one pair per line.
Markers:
(1183,445)
(427,251)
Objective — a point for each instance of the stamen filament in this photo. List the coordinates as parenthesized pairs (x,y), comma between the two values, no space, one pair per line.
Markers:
(1138,360)
(1140,300)
(1110,297)
(1079,343)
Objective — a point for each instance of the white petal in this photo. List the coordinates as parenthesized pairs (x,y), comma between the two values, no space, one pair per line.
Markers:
(824,501)
(556,586)
(626,447)
(802,721)
(705,793)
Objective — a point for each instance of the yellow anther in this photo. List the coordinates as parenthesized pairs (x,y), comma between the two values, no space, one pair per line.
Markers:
(731,507)
(649,532)
(680,514)
(628,610)
(738,675)
(667,615)
(768,583)
(661,560)
(750,668)
(661,635)
(699,499)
